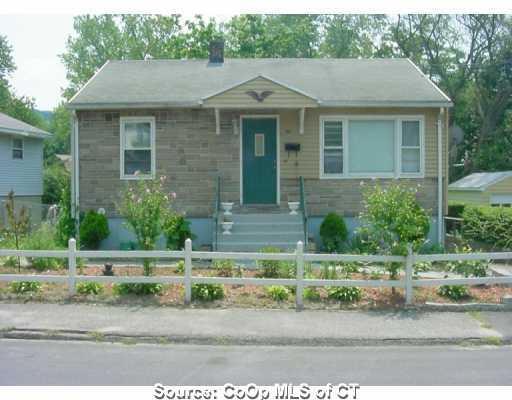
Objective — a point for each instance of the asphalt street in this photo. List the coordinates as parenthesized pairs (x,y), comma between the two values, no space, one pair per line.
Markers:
(27,362)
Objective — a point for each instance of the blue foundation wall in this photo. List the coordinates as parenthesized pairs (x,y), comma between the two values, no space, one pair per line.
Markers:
(202,229)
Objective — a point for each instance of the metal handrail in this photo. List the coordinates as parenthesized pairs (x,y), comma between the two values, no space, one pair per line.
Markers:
(303,208)
(216,209)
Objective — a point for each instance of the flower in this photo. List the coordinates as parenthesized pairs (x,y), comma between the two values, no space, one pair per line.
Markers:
(173,195)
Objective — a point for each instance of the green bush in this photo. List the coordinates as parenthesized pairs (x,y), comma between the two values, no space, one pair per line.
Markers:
(139,289)
(224,268)
(89,288)
(329,271)
(468,268)
(25,287)
(180,267)
(454,292)
(93,229)
(65,228)
(176,230)
(345,294)
(44,238)
(55,178)
(311,294)
(269,268)
(207,291)
(456,210)
(333,232)
(490,225)
(277,293)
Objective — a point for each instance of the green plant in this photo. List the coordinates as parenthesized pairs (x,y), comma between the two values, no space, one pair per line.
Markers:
(93,229)
(176,230)
(224,268)
(89,288)
(277,293)
(146,206)
(345,294)
(329,271)
(180,267)
(44,238)
(207,291)
(18,223)
(287,270)
(269,268)
(65,228)
(25,287)
(311,294)
(456,209)
(375,274)
(139,289)
(391,219)
(454,292)
(349,268)
(490,225)
(468,268)
(55,177)
(333,232)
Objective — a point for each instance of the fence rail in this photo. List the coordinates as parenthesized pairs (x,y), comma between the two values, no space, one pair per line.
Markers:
(299,257)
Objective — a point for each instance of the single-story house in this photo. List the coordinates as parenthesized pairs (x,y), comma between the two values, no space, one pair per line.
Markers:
(483,188)
(259,125)
(21,162)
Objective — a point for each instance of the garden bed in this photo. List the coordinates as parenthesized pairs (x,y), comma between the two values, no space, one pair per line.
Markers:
(246,296)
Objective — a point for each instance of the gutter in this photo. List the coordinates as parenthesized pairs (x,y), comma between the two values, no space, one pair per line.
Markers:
(75,189)
(440,219)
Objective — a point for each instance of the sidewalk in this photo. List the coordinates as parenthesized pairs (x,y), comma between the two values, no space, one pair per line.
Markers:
(240,326)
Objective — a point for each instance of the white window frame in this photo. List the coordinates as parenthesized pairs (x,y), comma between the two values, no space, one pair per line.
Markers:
(397,170)
(122,122)
(22,148)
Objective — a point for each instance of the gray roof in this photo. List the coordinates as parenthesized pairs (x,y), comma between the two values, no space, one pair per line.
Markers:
(14,126)
(480,180)
(332,82)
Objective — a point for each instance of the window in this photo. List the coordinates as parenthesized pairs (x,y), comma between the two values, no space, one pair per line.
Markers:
(137,147)
(367,147)
(333,147)
(259,145)
(17,149)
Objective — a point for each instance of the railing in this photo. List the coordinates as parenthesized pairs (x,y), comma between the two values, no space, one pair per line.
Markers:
(299,257)
(216,209)
(303,208)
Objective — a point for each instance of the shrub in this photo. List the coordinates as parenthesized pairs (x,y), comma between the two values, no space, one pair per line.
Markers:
(311,293)
(93,229)
(180,267)
(333,232)
(269,268)
(17,225)
(456,209)
(44,238)
(207,291)
(139,289)
(277,293)
(65,228)
(468,268)
(329,271)
(224,268)
(491,225)
(391,219)
(55,178)
(454,292)
(345,294)
(89,288)
(287,270)
(146,206)
(25,287)
(176,230)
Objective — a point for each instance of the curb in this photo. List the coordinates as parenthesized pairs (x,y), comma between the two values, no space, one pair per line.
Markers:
(99,337)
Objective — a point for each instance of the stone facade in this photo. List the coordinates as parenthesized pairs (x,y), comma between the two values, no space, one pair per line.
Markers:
(191,155)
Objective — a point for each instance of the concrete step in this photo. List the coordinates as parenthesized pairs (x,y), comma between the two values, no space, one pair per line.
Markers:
(255,246)
(266,218)
(262,237)
(264,227)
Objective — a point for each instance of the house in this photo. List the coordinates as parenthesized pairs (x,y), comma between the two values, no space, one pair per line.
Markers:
(259,125)
(483,188)
(21,163)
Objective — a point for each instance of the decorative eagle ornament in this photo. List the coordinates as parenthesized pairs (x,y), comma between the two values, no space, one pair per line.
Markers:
(259,97)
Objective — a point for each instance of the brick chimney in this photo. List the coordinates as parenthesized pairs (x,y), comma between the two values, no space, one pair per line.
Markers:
(216,50)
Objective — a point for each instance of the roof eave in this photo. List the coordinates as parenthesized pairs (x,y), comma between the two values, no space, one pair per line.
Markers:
(24,133)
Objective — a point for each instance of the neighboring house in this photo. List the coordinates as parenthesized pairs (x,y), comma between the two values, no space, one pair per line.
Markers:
(260,125)
(21,161)
(483,188)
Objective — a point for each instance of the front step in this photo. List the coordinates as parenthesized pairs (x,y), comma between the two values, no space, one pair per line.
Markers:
(253,231)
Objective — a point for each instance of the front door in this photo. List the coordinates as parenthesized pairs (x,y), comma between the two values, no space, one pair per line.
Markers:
(259,160)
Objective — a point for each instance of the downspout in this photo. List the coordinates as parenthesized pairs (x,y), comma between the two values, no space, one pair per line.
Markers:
(440,219)
(75,189)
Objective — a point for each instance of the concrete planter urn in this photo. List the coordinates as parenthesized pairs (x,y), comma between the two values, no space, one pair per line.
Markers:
(294,206)
(227,207)
(226,227)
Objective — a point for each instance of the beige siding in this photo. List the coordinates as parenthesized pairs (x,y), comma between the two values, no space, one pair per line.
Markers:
(503,187)
(468,197)
(281,96)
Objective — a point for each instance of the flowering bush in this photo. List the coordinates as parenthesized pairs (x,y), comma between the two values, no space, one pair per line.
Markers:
(146,206)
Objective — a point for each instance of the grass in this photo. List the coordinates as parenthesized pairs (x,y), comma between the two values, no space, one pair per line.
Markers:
(477,315)
(97,336)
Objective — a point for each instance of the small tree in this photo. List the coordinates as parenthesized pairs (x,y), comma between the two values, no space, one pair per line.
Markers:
(391,219)
(18,223)
(333,232)
(65,223)
(146,206)
(93,229)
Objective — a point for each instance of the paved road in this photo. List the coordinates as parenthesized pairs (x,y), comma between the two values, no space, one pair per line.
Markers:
(24,362)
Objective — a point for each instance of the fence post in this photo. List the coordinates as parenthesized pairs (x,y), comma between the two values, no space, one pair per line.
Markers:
(188,271)
(299,262)
(71,266)
(408,275)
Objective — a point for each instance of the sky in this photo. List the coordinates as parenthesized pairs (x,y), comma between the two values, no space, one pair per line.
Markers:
(37,40)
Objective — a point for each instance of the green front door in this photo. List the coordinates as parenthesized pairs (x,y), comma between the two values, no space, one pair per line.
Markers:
(259,160)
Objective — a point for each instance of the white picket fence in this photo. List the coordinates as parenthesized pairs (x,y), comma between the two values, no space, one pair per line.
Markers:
(299,257)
